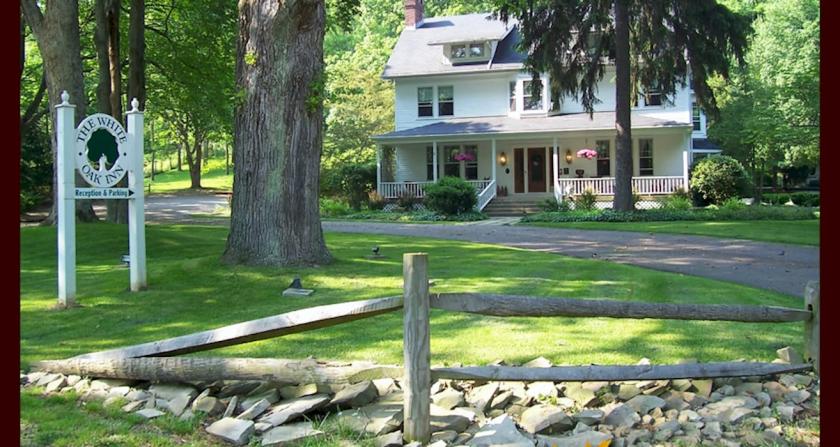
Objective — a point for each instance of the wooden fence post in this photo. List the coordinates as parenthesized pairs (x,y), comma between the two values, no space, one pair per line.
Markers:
(812,327)
(417,355)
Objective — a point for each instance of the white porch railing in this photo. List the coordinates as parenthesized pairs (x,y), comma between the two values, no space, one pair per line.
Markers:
(393,190)
(606,185)
(486,195)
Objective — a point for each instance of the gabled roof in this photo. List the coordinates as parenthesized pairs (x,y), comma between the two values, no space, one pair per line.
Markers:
(508,125)
(418,51)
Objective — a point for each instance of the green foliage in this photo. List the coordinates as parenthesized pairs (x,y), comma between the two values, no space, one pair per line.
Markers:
(585,201)
(450,196)
(333,207)
(35,167)
(798,198)
(675,203)
(375,201)
(355,181)
(662,214)
(732,204)
(717,178)
(551,204)
(680,192)
(415,216)
(407,199)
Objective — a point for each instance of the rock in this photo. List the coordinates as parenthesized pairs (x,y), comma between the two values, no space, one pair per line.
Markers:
(55,385)
(231,408)
(500,431)
(255,410)
(674,401)
(722,410)
(149,413)
(658,388)
(591,438)
(702,387)
(73,379)
(235,431)
(539,362)
(449,398)
(622,415)
(120,391)
(797,396)
(34,376)
(179,404)
(209,405)
(290,433)
(751,388)
(356,395)
(589,416)
(694,400)
(541,390)
(271,395)
(237,388)
(681,384)
(446,436)
(583,396)
(376,419)
(688,416)
(580,428)
(289,410)
(643,404)
(45,379)
(480,397)
(442,419)
(393,439)
(736,414)
(133,406)
(786,412)
(261,427)
(712,430)
(113,400)
(385,386)
(789,355)
(763,399)
(135,395)
(82,386)
(171,391)
(186,415)
(501,400)
(307,389)
(665,431)
(627,391)
(776,391)
(545,419)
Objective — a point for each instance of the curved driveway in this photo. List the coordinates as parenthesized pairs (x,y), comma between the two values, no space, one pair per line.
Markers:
(780,267)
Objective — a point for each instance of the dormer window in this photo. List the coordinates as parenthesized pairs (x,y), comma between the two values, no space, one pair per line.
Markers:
(468,52)
(477,50)
(529,99)
(458,52)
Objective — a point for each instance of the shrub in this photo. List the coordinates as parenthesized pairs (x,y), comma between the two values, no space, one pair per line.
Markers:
(715,179)
(681,192)
(333,207)
(375,201)
(732,204)
(407,199)
(355,183)
(676,202)
(707,214)
(553,205)
(585,201)
(451,196)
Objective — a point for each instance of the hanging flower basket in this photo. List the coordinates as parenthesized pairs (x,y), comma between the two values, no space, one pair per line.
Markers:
(587,153)
(466,156)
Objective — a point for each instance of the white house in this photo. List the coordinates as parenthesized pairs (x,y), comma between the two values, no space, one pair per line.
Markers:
(464,108)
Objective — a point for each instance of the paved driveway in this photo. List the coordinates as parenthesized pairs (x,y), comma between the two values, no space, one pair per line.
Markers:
(779,267)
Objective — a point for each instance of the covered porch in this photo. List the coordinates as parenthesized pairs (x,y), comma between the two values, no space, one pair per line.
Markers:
(529,166)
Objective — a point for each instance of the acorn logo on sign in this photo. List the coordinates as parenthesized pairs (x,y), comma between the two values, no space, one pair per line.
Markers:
(101,150)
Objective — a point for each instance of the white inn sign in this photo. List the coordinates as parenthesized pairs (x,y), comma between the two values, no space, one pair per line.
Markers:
(103,152)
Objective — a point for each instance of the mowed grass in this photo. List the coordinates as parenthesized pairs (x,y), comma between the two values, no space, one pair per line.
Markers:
(190,290)
(804,232)
(213,177)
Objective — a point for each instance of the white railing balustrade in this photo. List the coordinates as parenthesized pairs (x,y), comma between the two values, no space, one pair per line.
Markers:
(606,185)
(486,195)
(393,190)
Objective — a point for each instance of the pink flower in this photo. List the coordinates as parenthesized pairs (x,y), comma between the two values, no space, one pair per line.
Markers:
(587,153)
(464,157)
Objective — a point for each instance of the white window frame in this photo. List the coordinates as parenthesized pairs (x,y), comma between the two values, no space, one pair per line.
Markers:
(525,109)
(432,102)
(438,102)
(468,57)
(639,157)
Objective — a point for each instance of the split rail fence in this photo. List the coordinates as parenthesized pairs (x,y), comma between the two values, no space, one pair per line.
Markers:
(155,361)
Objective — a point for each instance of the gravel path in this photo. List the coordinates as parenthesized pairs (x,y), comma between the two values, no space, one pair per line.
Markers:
(780,267)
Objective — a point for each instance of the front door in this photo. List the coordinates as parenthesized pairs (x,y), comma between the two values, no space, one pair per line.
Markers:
(536,169)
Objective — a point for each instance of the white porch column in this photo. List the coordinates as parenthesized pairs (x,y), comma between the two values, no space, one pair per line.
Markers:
(556,164)
(440,164)
(434,161)
(379,169)
(66,133)
(495,162)
(685,169)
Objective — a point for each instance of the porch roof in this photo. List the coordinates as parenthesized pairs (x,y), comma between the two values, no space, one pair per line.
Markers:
(495,125)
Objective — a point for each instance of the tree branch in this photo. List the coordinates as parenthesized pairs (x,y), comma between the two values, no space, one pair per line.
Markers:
(36,103)
(32,14)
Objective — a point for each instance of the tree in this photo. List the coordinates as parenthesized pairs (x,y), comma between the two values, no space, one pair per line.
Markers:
(278,129)
(654,43)
(56,30)
(137,53)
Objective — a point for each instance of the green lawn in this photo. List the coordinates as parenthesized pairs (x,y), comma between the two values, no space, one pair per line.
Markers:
(805,232)
(191,291)
(212,177)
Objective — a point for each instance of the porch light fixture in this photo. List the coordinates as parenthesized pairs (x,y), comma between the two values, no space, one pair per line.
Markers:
(568,156)
(503,159)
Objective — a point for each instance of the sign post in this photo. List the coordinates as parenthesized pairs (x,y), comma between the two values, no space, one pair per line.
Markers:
(104,153)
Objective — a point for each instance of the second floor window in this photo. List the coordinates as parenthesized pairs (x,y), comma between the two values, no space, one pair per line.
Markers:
(695,117)
(653,98)
(458,51)
(513,96)
(477,50)
(425,96)
(446,105)
(529,99)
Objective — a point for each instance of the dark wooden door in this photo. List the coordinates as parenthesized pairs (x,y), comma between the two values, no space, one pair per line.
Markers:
(536,169)
(518,171)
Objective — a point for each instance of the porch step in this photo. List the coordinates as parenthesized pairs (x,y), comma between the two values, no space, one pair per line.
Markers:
(502,207)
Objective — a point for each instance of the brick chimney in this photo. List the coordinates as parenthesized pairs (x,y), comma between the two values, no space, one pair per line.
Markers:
(413,13)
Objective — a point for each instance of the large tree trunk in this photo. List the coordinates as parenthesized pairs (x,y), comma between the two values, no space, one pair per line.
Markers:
(137,53)
(623,199)
(56,31)
(278,135)
(194,162)
(117,209)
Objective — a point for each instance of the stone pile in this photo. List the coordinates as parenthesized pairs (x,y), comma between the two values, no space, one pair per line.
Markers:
(747,411)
